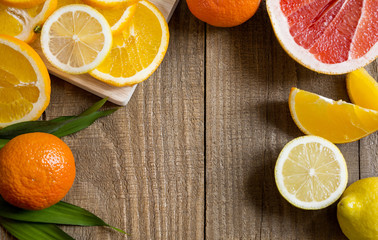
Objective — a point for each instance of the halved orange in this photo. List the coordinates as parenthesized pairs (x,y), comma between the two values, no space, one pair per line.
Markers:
(24,82)
(337,121)
(21,22)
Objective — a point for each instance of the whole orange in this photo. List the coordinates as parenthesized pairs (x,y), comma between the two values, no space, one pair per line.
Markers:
(223,13)
(36,170)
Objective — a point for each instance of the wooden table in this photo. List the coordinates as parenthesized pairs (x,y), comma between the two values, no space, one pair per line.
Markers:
(192,154)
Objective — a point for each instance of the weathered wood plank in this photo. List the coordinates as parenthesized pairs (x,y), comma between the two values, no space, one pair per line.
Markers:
(248,82)
(142,168)
(368,145)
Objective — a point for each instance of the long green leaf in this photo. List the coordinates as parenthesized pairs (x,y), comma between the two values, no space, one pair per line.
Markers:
(80,123)
(3,142)
(61,126)
(60,213)
(94,107)
(34,231)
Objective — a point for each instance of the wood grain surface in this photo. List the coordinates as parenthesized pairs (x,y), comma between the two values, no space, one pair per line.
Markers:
(192,155)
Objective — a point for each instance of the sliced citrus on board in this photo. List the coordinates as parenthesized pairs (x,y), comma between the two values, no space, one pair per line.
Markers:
(138,50)
(22,3)
(362,89)
(337,121)
(76,38)
(24,82)
(20,23)
(311,172)
(107,3)
(327,36)
(117,17)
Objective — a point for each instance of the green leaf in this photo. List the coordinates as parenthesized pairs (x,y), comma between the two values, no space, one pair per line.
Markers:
(94,107)
(79,123)
(61,126)
(34,231)
(60,213)
(3,142)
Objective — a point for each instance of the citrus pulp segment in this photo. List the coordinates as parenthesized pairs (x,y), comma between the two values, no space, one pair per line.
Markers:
(108,3)
(22,3)
(76,38)
(24,82)
(117,17)
(311,172)
(20,23)
(317,35)
(337,121)
(362,89)
(138,50)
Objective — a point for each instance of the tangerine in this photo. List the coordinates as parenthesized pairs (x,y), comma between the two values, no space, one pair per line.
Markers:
(225,13)
(37,170)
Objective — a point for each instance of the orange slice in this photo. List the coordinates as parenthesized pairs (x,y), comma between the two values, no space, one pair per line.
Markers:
(24,82)
(107,3)
(20,23)
(22,3)
(337,121)
(362,89)
(117,17)
(138,51)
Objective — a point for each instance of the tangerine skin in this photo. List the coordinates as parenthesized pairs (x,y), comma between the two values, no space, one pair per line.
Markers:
(37,170)
(223,13)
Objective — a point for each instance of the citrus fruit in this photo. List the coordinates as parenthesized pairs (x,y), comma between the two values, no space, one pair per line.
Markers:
(37,170)
(24,82)
(311,172)
(226,13)
(22,3)
(20,23)
(327,36)
(357,210)
(117,17)
(362,89)
(108,3)
(138,50)
(337,121)
(76,38)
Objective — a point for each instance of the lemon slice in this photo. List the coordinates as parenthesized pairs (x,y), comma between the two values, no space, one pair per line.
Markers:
(311,172)
(20,23)
(117,17)
(107,3)
(22,3)
(138,50)
(24,82)
(337,121)
(362,89)
(76,38)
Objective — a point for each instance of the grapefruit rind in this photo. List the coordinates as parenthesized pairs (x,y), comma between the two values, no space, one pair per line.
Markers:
(303,56)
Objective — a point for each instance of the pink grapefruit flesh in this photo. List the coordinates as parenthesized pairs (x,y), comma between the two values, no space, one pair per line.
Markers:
(329,36)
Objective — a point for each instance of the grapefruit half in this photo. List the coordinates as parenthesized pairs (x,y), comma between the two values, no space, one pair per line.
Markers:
(327,36)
